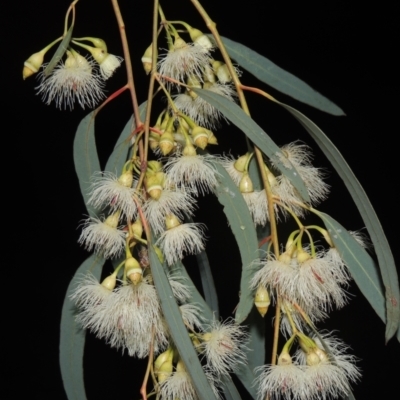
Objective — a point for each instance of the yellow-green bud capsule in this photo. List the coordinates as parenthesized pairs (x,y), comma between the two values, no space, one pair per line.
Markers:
(154,140)
(285,258)
(126,179)
(222,72)
(137,228)
(193,82)
(241,162)
(110,282)
(189,150)
(154,184)
(212,138)
(33,64)
(246,184)
(147,59)
(179,43)
(200,38)
(97,42)
(284,358)
(208,75)
(262,300)
(302,256)
(166,143)
(200,136)
(133,270)
(171,221)
(112,220)
(155,166)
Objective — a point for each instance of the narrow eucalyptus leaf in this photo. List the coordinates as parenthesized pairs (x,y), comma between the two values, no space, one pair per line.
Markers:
(241,223)
(177,329)
(207,281)
(360,264)
(279,79)
(119,155)
(385,257)
(254,132)
(58,55)
(72,337)
(85,157)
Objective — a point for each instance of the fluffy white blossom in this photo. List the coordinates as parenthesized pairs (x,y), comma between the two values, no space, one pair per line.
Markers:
(184,238)
(118,193)
(76,79)
(224,346)
(103,236)
(258,206)
(184,59)
(109,64)
(199,110)
(196,173)
(178,202)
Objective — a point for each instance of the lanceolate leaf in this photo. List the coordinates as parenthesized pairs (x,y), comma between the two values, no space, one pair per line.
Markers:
(362,267)
(254,132)
(276,77)
(241,223)
(61,49)
(179,333)
(85,157)
(207,282)
(119,155)
(72,337)
(381,245)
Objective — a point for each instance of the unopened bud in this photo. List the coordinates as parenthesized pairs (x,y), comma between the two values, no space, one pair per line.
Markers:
(109,282)
(112,220)
(171,221)
(163,365)
(200,38)
(147,59)
(246,184)
(33,64)
(155,166)
(262,300)
(137,228)
(166,143)
(241,162)
(154,139)
(133,270)
(154,185)
(126,179)
(200,136)
(222,72)
(208,74)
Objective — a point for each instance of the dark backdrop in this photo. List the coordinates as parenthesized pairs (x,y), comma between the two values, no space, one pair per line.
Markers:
(344,52)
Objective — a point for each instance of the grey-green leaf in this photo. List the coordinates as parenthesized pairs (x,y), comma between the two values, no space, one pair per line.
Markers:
(177,329)
(85,157)
(58,55)
(360,264)
(241,223)
(385,257)
(72,337)
(254,132)
(119,155)
(279,79)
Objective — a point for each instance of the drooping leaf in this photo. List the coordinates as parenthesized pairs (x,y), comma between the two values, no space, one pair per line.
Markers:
(385,257)
(177,329)
(360,264)
(85,157)
(72,337)
(276,77)
(119,155)
(58,55)
(254,132)
(241,223)
(207,282)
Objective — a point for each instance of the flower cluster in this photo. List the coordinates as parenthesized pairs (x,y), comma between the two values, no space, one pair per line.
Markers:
(313,373)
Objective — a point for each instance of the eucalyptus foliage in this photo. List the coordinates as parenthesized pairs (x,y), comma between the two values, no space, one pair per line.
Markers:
(142,216)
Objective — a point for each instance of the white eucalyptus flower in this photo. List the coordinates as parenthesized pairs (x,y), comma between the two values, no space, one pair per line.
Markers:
(76,79)
(224,346)
(180,238)
(118,193)
(195,173)
(184,59)
(109,64)
(103,236)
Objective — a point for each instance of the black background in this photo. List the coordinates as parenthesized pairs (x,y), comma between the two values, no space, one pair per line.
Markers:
(342,51)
